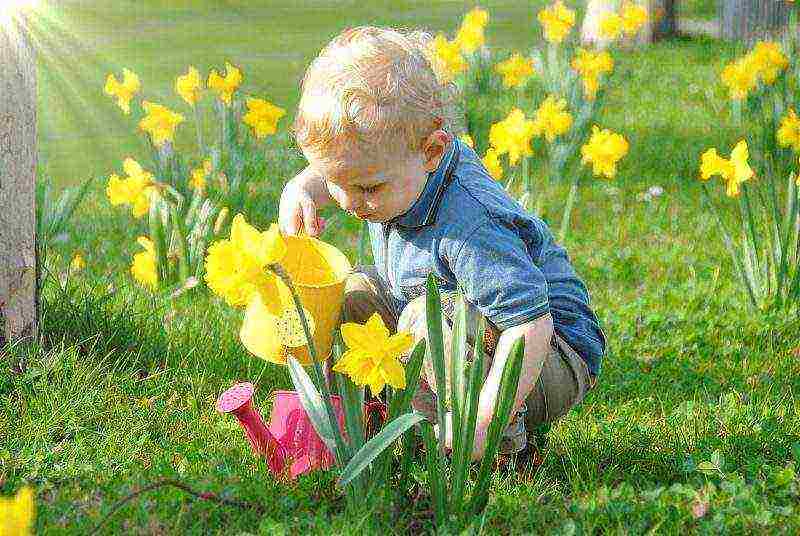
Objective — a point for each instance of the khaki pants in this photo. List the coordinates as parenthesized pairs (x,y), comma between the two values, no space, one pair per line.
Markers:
(562,384)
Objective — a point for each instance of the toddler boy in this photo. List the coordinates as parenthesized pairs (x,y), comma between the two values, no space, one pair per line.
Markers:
(374,124)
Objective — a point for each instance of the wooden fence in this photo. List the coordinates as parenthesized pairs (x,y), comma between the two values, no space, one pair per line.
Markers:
(748,20)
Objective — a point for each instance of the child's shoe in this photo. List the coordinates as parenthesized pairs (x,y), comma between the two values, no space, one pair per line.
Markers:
(514,439)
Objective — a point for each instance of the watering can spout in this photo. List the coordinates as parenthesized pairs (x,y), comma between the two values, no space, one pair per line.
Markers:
(238,401)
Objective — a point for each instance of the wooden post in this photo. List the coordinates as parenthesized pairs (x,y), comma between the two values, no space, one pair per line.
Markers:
(18,266)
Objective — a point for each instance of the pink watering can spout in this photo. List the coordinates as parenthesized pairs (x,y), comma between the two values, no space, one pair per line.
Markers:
(290,442)
(238,401)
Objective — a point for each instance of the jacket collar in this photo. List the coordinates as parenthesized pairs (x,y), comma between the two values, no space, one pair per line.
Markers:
(423,211)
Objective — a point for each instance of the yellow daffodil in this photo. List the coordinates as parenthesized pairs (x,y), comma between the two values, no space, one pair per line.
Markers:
(556,20)
(134,190)
(199,176)
(713,164)
(591,66)
(373,355)
(188,86)
(77,263)
(262,117)
(552,118)
(225,87)
(491,162)
(513,135)
(446,59)
(789,132)
(467,140)
(603,150)
(768,60)
(515,70)
(17,513)
(125,90)
(634,17)
(476,17)
(740,77)
(734,171)
(611,26)
(470,36)
(237,267)
(160,122)
(144,267)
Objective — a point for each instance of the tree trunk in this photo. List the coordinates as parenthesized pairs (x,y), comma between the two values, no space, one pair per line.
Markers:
(18,267)
(662,21)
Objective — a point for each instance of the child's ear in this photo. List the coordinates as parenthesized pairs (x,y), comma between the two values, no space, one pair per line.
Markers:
(434,147)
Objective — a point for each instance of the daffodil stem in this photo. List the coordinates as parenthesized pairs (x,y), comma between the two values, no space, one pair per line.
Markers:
(319,377)
(573,193)
(726,237)
(199,130)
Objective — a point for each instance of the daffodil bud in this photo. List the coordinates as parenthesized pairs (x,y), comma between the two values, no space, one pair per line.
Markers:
(220,221)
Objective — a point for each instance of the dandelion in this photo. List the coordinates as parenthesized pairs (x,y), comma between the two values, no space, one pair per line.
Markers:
(734,171)
(188,86)
(634,17)
(603,150)
(17,513)
(77,263)
(491,162)
(160,122)
(446,59)
(466,139)
(591,66)
(144,267)
(740,77)
(372,355)
(611,26)
(513,135)
(556,20)
(768,60)
(225,87)
(470,35)
(789,131)
(134,190)
(125,90)
(515,70)
(237,267)
(262,117)
(552,119)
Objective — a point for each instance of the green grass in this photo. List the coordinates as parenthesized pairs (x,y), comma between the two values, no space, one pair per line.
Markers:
(120,392)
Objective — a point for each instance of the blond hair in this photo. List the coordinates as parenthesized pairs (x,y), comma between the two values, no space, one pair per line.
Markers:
(371,87)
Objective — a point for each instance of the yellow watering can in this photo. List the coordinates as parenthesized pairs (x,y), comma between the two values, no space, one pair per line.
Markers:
(318,272)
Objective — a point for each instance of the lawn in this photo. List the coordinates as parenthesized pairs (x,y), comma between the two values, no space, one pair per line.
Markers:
(120,392)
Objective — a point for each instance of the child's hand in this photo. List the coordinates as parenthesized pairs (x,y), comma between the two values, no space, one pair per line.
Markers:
(479,443)
(301,198)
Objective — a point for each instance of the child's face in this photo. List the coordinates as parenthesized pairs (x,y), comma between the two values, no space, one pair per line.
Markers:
(378,188)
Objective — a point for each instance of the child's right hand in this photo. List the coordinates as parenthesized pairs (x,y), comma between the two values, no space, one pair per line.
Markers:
(301,198)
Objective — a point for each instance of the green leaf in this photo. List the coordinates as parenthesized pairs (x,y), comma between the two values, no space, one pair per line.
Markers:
(457,360)
(500,417)
(463,457)
(401,400)
(436,474)
(436,351)
(312,402)
(707,468)
(377,445)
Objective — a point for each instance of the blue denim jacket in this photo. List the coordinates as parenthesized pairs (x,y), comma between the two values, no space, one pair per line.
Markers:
(473,236)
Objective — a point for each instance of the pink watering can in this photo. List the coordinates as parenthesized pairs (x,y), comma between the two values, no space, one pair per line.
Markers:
(290,438)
